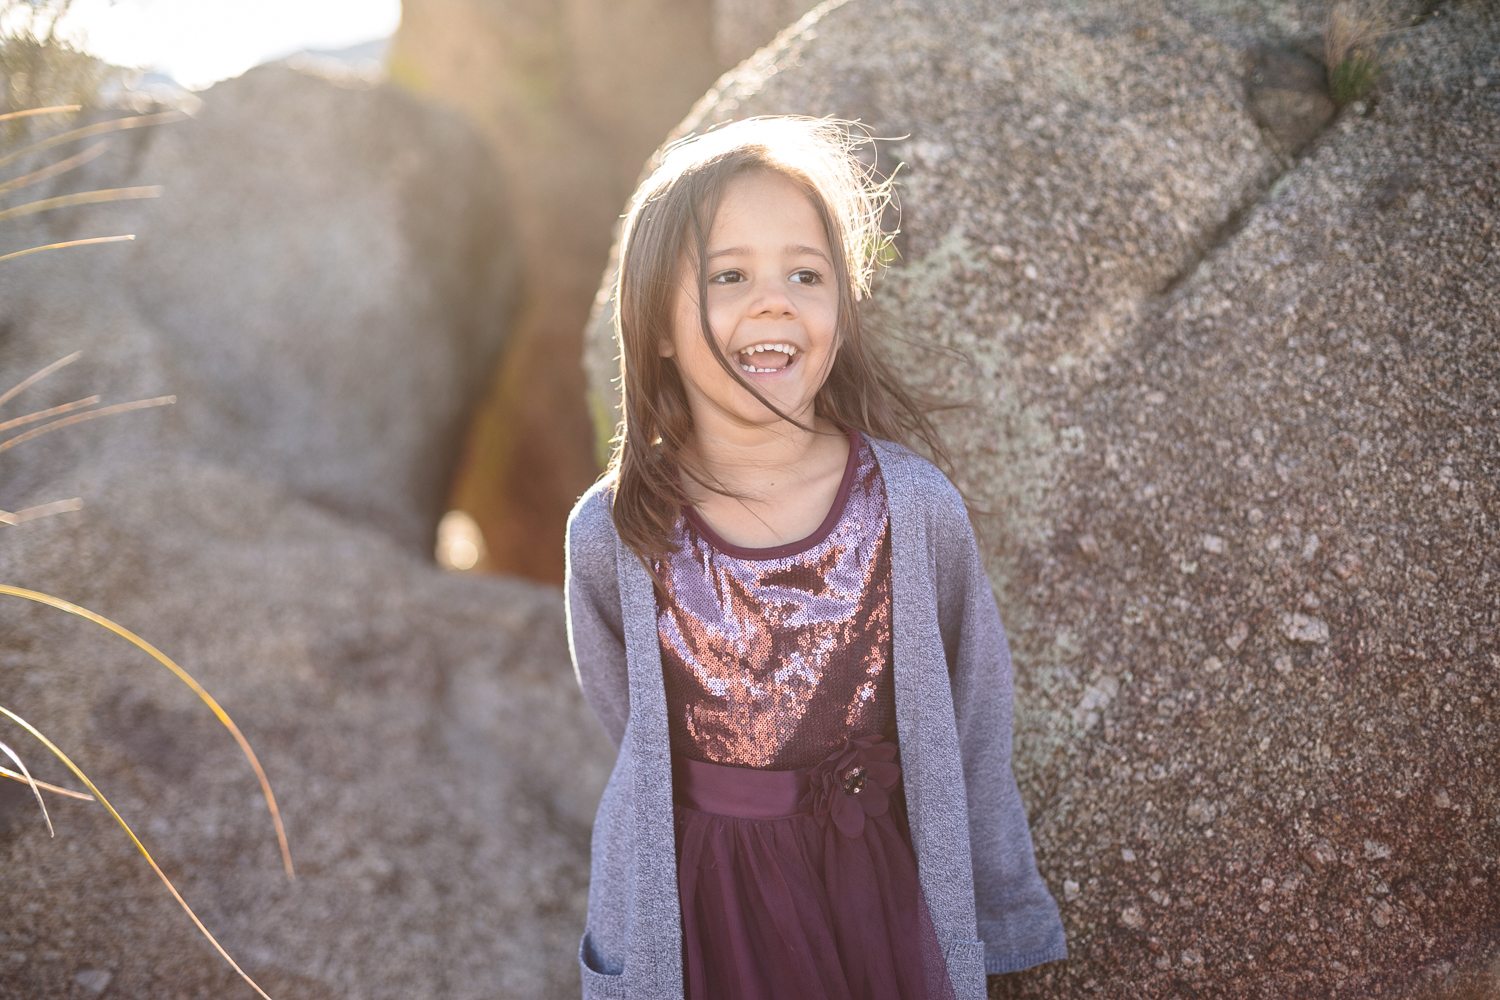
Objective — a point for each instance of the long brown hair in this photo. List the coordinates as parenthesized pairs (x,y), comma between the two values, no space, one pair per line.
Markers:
(669,221)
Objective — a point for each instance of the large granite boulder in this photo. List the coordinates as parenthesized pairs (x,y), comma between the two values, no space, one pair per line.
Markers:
(319,285)
(331,265)
(1228,433)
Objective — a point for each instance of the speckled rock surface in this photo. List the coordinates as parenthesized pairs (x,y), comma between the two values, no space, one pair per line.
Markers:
(435,765)
(1231,419)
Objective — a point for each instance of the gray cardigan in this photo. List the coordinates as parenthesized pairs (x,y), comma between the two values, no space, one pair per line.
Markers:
(991,910)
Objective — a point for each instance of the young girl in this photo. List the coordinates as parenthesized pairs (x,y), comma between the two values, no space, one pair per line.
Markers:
(779,614)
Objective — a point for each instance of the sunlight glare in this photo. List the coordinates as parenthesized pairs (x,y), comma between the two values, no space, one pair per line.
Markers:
(199,42)
(460,542)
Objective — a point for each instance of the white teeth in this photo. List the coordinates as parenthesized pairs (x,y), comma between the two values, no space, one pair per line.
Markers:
(787,349)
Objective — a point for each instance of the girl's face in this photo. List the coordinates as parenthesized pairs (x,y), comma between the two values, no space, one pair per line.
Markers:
(773,306)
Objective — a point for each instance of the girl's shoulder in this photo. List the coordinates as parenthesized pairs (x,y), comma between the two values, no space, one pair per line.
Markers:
(592,519)
(912,480)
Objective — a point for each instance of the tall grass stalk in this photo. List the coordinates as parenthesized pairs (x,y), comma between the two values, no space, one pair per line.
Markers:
(60,167)
(78,418)
(186,678)
(68,414)
(25,779)
(70,409)
(14,518)
(61,506)
(56,169)
(53,411)
(135,840)
(70,243)
(28,779)
(55,418)
(89,131)
(37,376)
(61,109)
(81,198)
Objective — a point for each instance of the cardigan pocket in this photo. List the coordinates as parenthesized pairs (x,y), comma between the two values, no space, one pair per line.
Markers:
(597,984)
(965,967)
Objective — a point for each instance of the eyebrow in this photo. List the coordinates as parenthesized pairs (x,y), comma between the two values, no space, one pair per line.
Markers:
(793,250)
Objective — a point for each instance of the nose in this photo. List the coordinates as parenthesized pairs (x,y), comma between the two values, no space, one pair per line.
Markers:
(771,300)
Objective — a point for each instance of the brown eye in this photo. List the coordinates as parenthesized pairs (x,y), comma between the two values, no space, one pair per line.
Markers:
(727,278)
(806,276)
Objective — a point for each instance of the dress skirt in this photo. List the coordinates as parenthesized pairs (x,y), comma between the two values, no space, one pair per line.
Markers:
(785,898)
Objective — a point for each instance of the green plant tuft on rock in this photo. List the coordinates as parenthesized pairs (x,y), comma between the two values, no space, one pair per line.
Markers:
(1352,40)
(1353,78)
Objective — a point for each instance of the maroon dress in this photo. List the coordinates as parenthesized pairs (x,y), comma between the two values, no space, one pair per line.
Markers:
(794,861)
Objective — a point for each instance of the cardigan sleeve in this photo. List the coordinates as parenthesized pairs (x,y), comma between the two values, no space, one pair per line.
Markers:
(596,635)
(1017,917)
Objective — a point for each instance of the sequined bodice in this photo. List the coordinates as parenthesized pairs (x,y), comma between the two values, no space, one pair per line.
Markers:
(772,657)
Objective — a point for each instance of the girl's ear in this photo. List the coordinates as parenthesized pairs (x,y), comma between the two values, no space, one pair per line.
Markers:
(666,348)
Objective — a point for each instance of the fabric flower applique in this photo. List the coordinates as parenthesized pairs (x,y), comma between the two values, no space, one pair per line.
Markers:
(854,782)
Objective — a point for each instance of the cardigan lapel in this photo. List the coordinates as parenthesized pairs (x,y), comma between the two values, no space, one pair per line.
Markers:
(653,967)
(930,760)
(905,586)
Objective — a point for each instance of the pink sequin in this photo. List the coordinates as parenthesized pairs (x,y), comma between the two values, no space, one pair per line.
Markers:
(773,657)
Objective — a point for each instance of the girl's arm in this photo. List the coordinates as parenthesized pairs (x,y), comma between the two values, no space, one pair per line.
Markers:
(1017,917)
(592,597)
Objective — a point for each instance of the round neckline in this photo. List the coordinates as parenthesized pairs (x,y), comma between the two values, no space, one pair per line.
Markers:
(835,512)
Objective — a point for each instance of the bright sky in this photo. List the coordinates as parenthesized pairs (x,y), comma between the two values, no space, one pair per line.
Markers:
(198,42)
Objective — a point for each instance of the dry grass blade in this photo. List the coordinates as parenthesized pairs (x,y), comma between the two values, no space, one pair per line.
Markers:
(135,840)
(8,773)
(1353,37)
(28,779)
(1353,26)
(186,678)
(31,380)
(41,510)
(89,131)
(60,167)
(82,198)
(56,411)
(78,418)
(70,243)
(60,109)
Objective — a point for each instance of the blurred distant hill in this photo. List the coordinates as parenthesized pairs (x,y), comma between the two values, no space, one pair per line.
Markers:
(366,60)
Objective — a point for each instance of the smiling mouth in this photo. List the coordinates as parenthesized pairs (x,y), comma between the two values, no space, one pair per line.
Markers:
(764,358)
